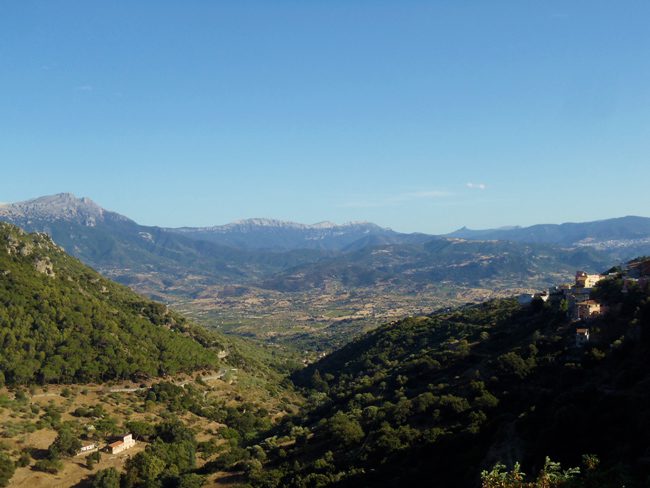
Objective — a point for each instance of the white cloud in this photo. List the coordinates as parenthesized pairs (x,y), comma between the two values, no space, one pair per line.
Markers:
(476,186)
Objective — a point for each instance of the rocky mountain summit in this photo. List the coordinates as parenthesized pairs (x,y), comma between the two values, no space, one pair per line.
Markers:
(60,207)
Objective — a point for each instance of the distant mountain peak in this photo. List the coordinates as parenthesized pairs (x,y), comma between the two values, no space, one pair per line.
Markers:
(61,206)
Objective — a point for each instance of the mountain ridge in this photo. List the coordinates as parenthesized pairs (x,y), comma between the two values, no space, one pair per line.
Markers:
(567,233)
(270,222)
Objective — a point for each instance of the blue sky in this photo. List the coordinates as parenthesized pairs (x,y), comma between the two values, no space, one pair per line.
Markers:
(420,116)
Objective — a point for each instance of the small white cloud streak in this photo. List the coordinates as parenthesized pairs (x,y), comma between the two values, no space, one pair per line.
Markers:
(476,186)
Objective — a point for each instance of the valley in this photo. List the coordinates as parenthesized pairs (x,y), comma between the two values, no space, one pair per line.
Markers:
(324,244)
(318,321)
(302,367)
(309,287)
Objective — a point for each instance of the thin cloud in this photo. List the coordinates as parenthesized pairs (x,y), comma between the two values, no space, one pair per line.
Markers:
(476,186)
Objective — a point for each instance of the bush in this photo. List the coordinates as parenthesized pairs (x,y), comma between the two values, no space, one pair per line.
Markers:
(106,478)
(92,459)
(7,468)
(51,466)
(24,459)
(190,481)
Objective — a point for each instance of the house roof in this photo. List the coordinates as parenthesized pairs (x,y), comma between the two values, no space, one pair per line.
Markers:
(116,444)
(588,302)
(582,331)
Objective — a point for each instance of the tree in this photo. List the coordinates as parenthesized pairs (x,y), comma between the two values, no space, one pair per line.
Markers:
(106,478)
(143,469)
(92,459)
(7,468)
(174,431)
(191,480)
(141,430)
(66,444)
(551,476)
(513,363)
(499,477)
(345,430)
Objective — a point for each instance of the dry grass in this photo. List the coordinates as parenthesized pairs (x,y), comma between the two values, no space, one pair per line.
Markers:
(124,407)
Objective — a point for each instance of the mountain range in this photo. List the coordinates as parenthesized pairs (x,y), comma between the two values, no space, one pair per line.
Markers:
(285,255)
(625,236)
(444,396)
(277,235)
(357,272)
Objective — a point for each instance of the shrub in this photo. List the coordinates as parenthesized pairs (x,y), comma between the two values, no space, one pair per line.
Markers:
(51,466)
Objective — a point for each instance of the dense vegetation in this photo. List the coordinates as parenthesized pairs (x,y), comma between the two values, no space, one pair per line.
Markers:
(60,321)
(446,397)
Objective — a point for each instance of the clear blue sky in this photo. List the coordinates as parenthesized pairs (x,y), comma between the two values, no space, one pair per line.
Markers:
(416,115)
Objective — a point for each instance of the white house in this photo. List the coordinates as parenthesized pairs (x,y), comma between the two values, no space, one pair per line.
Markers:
(127,442)
(87,448)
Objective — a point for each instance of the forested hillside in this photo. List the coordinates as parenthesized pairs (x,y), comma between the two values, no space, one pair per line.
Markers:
(60,321)
(444,397)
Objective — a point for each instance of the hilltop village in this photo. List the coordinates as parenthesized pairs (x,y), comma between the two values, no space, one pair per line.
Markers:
(577,298)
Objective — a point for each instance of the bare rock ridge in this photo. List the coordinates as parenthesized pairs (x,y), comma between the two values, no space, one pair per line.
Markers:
(256,223)
(62,206)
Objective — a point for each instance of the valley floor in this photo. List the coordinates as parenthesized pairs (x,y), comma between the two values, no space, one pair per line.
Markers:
(321,320)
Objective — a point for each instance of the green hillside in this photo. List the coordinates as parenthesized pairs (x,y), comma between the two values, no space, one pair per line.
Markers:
(60,321)
(442,398)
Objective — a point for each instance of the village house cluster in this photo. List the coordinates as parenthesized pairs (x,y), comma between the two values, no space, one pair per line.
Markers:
(581,307)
